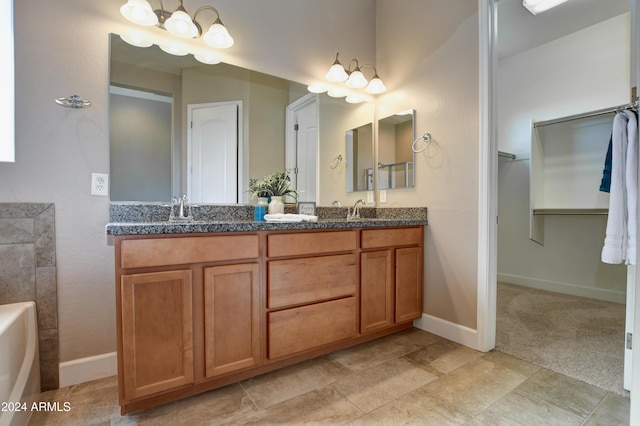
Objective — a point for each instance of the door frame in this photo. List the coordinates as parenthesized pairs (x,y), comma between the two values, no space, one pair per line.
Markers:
(488,189)
(290,138)
(242,148)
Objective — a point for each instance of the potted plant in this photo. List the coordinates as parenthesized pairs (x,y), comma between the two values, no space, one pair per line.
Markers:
(278,186)
(259,190)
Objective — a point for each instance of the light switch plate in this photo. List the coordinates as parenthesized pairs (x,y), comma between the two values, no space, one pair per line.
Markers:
(383,195)
(369,197)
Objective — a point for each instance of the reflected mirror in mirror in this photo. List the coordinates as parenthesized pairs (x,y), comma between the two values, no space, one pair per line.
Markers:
(359,148)
(396,159)
(156,171)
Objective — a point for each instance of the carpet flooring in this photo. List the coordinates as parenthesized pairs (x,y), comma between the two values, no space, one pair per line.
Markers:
(575,336)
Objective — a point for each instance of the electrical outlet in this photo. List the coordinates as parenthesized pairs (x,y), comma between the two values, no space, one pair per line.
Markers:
(369,197)
(99,184)
(383,196)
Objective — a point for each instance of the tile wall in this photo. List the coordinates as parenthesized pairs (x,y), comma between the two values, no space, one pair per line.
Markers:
(28,272)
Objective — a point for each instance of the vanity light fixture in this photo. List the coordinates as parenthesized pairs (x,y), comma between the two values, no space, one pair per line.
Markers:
(355,78)
(539,6)
(178,22)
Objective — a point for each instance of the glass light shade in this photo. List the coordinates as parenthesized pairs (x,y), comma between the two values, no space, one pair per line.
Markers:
(316,89)
(180,24)
(376,86)
(539,6)
(356,80)
(208,57)
(336,73)
(136,40)
(174,49)
(139,12)
(218,36)
(354,99)
(336,93)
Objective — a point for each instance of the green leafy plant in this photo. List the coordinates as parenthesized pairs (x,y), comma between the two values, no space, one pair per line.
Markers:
(277,184)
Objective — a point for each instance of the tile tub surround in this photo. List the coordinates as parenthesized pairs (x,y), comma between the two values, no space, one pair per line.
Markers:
(152,218)
(28,273)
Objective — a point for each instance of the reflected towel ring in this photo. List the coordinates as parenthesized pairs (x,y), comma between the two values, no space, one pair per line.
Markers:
(73,101)
(427,140)
(336,162)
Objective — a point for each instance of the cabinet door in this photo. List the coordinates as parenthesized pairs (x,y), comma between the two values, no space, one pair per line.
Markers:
(232,318)
(408,284)
(376,291)
(157,332)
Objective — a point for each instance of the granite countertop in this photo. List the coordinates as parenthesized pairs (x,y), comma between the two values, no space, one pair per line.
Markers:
(152,218)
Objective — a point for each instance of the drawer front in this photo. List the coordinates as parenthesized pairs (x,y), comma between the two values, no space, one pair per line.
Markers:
(311,279)
(378,238)
(140,253)
(305,243)
(299,329)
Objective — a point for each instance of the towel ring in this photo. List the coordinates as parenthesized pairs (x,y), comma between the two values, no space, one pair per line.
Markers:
(427,140)
(336,162)
(73,101)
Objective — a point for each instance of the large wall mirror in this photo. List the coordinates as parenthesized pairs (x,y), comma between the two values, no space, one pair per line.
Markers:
(396,159)
(359,147)
(156,96)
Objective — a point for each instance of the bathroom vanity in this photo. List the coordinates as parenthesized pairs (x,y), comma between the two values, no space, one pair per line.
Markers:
(206,304)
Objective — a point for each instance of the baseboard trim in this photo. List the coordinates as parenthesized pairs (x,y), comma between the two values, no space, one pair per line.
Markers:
(564,288)
(86,369)
(455,332)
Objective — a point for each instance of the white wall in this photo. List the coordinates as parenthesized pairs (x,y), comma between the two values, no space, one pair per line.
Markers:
(62,49)
(429,51)
(587,70)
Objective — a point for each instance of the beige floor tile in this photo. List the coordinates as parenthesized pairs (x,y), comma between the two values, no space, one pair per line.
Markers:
(217,407)
(475,386)
(522,409)
(613,410)
(444,356)
(416,407)
(372,388)
(421,337)
(288,382)
(369,354)
(569,394)
(523,367)
(324,406)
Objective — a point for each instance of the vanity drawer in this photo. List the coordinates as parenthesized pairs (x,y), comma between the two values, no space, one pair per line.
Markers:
(311,279)
(299,329)
(140,253)
(377,238)
(305,243)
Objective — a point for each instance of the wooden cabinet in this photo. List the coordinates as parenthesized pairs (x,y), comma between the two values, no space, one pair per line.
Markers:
(197,312)
(231,318)
(391,278)
(157,339)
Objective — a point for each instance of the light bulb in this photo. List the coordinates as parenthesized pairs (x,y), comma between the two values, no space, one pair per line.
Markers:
(218,36)
(336,73)
(316,88)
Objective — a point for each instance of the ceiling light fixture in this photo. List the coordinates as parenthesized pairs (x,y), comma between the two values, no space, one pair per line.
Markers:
(355,78)
(178,22)
(539,6)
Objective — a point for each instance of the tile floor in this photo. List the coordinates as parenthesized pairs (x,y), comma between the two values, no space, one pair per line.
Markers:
(411,377)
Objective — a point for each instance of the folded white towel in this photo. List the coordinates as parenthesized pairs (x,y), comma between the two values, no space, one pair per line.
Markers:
(289,217)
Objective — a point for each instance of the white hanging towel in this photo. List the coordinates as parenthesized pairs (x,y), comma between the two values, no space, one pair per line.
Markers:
(631,184)
(620,238)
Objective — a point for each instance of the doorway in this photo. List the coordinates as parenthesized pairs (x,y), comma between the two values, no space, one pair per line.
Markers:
(301,150)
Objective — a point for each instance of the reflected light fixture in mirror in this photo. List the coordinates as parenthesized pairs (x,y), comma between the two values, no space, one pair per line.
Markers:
(355,78)
(539,6)
(178,23)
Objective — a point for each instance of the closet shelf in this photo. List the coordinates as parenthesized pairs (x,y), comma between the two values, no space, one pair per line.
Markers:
(573,212)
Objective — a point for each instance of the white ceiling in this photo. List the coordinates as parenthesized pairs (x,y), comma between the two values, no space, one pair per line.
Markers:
(519,30)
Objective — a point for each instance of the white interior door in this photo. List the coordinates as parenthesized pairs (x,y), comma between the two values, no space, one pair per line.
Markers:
(302,146)
(213,153)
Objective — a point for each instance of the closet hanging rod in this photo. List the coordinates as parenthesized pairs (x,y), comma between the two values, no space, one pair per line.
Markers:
(506,154)
(632,105)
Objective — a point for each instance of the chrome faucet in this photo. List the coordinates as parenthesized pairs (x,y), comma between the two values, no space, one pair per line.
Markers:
(356,210)
(182,206)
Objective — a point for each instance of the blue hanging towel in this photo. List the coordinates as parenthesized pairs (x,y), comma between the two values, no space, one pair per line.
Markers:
(605,184)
